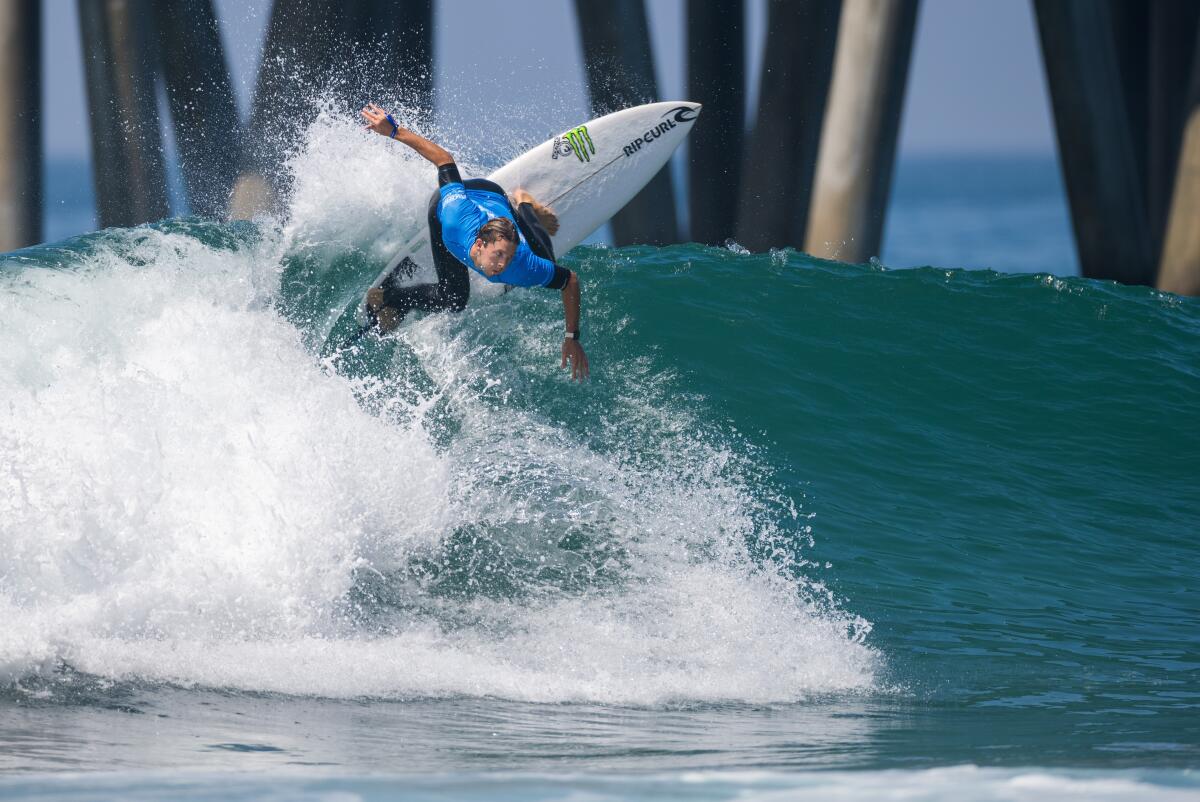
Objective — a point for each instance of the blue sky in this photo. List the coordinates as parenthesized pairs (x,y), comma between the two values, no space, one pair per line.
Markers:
(976,83)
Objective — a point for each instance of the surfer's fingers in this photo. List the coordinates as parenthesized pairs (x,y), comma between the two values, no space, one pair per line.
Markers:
(578,360)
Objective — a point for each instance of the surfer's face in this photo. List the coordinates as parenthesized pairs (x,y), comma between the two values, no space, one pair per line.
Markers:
(493,257)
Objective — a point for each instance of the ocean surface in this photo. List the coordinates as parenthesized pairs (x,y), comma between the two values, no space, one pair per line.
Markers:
(812,530)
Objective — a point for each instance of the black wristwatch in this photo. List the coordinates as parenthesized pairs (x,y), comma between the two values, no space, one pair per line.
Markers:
(572,335)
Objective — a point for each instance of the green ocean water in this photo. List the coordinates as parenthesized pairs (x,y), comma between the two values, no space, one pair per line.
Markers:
(1001,474)
(805,515)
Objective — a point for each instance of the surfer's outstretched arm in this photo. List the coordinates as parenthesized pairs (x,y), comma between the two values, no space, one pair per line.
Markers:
(382,123)
(572,351)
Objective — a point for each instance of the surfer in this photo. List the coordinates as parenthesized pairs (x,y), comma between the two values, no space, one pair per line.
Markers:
(473,224)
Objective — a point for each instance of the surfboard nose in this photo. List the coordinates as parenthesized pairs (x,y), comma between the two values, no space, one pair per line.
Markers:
(682,111)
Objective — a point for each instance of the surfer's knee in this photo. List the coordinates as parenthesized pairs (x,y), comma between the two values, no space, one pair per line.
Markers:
(545,216)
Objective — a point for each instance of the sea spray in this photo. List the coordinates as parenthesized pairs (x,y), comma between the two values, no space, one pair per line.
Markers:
(194,495)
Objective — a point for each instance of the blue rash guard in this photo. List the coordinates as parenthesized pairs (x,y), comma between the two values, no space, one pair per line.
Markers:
(462,212)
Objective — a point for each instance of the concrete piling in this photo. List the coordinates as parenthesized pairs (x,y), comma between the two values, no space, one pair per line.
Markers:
(1173,27)
(314,45)
(297,58)
(858,138)
(716,79)
(200,96)
(20,124)
(619,65)
(1179,271)
(127,158)
(781,156)
(396,39)
(1098,139)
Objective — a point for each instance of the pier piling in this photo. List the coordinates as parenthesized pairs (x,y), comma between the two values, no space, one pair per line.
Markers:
(1098,139)
(1172,46)
(1179,271)
(396,39)
(716,79)
(127,158)
(619,65)
(296,61)
(858,137)
(781,156)
(20,123)
(200,96)
(369,48)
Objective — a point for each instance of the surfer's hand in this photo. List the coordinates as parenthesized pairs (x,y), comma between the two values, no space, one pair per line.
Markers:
(572,352)
(384,124)
(377,119)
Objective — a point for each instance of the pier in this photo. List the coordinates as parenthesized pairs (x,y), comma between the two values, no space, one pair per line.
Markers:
(808,167)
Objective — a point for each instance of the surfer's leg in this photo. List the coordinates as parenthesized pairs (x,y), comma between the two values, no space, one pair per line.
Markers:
(453,281)
(388,304)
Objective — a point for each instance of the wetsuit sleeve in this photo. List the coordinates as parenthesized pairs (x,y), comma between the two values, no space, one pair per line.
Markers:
(559,279)
(448,174)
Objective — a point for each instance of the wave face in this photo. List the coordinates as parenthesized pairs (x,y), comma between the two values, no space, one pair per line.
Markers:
(788,479)
(195,495)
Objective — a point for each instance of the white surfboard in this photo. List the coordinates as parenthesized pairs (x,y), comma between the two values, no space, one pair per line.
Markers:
(585,175)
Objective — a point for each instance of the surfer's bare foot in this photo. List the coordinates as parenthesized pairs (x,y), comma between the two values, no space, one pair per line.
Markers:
(545,216)
(388,319)
(385,316)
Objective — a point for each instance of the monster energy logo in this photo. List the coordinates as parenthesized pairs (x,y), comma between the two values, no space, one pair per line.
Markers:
(577,141)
